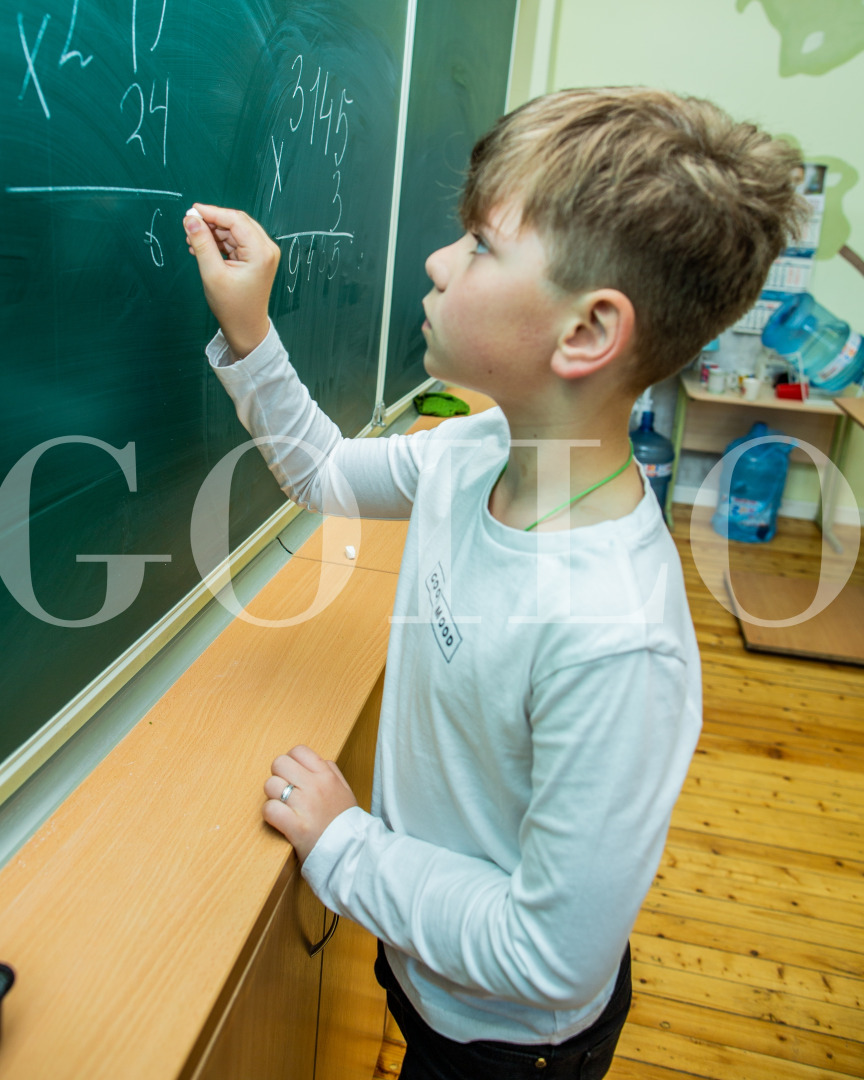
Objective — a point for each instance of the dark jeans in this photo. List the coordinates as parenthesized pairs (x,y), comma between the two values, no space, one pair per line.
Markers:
(430,1056)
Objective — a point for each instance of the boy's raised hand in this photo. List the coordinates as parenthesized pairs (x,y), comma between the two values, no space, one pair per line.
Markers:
(319,793)
(237,261)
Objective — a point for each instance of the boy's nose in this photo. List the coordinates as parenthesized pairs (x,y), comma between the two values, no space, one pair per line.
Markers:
(437,267)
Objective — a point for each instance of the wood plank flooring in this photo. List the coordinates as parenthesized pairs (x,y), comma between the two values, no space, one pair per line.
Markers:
(749,950)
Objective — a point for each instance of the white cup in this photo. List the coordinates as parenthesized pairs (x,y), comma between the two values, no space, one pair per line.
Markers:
(716,381)
(751,386)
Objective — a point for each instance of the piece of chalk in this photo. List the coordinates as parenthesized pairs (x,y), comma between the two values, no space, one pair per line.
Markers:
(350,552)
(192,212)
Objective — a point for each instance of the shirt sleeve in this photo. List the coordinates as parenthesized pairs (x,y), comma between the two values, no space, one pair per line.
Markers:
(604,778)
(312,462)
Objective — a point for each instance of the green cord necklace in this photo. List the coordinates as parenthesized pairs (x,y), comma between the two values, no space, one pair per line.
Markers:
(581,494)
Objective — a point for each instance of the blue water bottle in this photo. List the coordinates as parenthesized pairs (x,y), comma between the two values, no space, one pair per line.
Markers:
(655,454)
(751,486)
(831,355)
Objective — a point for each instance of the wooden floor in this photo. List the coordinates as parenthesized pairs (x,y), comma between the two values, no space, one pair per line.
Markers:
(749,950)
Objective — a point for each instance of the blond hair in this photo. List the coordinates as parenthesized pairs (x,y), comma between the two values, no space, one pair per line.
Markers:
(664,198)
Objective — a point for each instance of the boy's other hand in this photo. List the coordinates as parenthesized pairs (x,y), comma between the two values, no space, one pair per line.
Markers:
(238,262)
(320,794)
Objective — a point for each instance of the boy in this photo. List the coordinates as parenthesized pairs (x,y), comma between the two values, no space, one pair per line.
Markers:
(542,699)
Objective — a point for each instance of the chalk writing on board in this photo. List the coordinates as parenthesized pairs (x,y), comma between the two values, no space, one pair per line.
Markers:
(30,58)
(315,251)
(277,179)
(136,134)
(155,246)
(49,189)
(66,53)
(146,114)
(315,127)
(135,32)
(313,232)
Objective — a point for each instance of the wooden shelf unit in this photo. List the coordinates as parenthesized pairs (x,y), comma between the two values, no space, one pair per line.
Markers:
(709,422)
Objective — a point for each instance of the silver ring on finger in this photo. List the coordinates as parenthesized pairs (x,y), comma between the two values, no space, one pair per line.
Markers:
(286,792)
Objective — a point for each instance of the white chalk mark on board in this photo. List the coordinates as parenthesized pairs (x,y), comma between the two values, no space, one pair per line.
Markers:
(159,31)
(293,265)
(66,54)
(277,179)
(344,100)
(315,86)
(314,232)
(86,189)
(150,238)
(298,89)
(134,46)
(293,260)
(337,176)
(30,57)
(135,134)
(334,262)
(329,114)
(159,108)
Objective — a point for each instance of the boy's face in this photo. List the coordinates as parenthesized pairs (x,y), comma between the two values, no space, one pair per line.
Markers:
(493,319)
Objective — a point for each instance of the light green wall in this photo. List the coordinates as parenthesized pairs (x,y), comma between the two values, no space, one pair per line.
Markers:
(729,51)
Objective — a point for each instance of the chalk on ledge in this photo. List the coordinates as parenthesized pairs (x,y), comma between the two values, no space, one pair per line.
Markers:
(192,212)
(350,552)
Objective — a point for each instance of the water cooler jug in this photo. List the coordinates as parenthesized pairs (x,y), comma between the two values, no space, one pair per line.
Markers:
(751,486)
(823,348)
(655,454)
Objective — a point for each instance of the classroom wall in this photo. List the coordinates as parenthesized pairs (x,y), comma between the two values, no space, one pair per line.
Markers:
(794,66)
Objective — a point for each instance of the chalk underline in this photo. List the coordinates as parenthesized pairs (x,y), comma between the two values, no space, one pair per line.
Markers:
(65,188)
(47,190)
(314,232)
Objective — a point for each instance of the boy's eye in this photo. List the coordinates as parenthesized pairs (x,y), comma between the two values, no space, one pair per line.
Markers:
(481,246)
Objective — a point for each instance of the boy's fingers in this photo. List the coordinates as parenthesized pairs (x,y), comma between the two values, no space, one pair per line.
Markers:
(335,768)
(279,816)
(275,785)
(284,765)
(307,758)
(242,229)
(203,245)
(221,216)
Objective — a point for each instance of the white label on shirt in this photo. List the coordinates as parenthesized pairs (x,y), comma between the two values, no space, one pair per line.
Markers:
(441,620)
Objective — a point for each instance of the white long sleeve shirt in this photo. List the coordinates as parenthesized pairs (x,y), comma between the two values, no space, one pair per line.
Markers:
(541,705)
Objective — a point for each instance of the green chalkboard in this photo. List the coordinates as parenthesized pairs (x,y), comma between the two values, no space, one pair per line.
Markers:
(458,89)
(115,117)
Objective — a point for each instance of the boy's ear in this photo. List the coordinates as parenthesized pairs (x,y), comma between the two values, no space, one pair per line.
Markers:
(600,328)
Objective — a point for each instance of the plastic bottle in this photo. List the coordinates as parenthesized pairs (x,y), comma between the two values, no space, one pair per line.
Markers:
(655,454)
(751,486)
(830,354)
